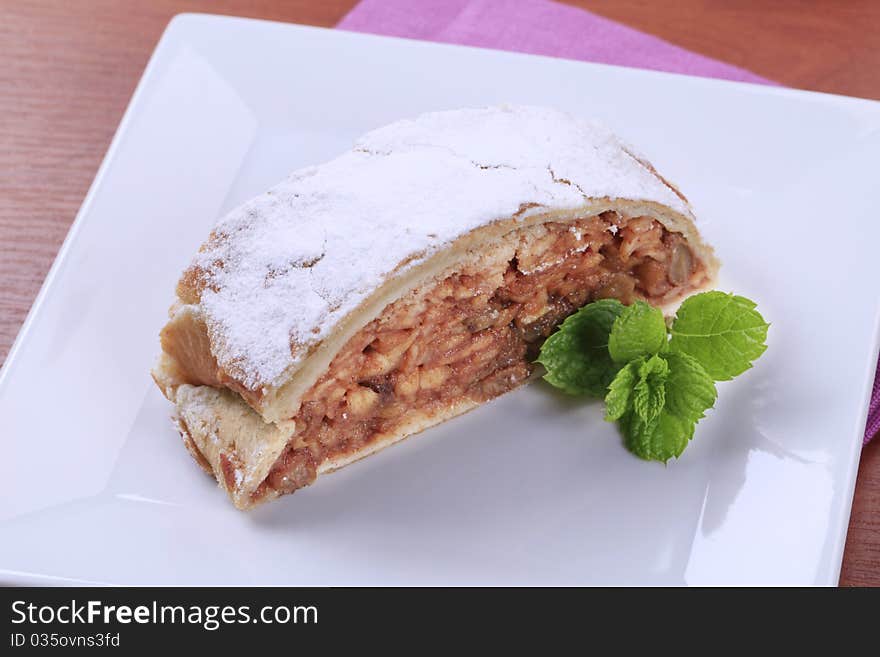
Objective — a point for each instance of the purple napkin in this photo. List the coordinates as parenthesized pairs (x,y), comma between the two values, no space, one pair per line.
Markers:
(873,427)
(542,27)
(539,27)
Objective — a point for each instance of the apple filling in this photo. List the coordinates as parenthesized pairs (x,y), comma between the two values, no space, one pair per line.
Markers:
(475,334)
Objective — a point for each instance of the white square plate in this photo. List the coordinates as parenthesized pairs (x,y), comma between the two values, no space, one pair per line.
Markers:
(95,485)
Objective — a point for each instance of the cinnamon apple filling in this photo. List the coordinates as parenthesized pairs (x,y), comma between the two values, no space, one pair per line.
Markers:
(475,334)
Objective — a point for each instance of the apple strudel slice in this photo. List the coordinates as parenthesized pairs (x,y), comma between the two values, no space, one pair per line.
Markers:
(405,282)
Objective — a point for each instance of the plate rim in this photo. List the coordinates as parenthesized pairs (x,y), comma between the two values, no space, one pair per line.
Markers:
(177,27)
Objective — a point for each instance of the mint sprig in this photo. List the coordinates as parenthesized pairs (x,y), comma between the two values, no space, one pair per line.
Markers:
(655,386)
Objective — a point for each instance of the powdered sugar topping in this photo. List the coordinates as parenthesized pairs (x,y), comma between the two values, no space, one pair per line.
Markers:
(288,265)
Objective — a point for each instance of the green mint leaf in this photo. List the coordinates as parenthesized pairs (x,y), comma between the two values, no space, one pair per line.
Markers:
(661,439)
(722,331)
(618,401)
(690,391)
(671,394)
(649,393)
(639,331)
(576,356)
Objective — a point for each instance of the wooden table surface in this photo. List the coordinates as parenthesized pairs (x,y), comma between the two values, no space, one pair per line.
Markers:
(68,68)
